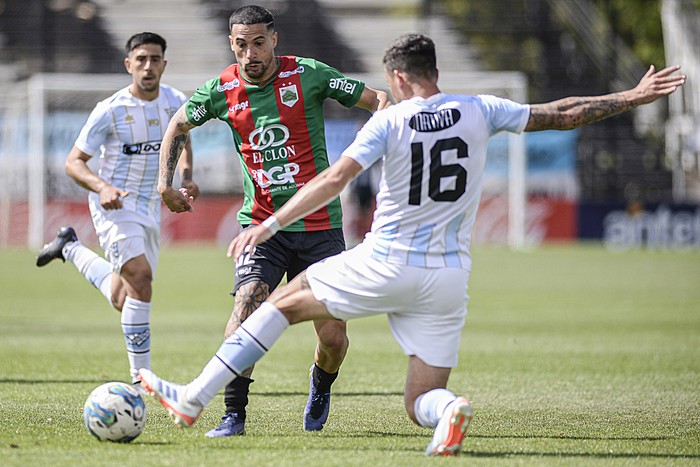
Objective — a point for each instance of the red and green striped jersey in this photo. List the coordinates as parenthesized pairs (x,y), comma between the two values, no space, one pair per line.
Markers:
(278,129)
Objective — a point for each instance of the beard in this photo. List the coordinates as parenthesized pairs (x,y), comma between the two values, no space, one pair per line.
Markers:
(256,70)
(150,84)
(149,88)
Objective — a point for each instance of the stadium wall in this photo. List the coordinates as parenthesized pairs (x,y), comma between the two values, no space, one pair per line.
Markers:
(547,220)
(214,221)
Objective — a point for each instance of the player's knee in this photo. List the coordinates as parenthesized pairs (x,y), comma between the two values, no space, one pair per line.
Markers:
(137,287)
(138,279)
(141,284)
(333,337)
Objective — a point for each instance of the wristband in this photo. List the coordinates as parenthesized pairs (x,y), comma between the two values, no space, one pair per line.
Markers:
(272,224)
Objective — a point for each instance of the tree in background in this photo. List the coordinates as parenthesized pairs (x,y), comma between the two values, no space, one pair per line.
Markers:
(526,36)
(615,163)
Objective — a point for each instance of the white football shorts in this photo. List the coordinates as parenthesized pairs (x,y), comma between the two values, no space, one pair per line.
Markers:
(124,235)
(426,307)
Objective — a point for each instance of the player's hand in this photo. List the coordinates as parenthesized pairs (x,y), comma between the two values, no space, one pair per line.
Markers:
(188,197)
(177,200)
(192,189)
(384,100)
(246,240)
(656,84)
(111,197)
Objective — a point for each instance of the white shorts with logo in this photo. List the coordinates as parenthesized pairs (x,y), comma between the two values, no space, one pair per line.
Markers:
(426,307)
(124,235)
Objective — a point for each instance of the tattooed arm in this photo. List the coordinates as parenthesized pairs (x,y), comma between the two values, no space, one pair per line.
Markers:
(573,112)
(171,148)
(186,170)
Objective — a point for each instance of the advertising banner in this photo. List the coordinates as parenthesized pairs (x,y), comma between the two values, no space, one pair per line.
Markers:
(636,225)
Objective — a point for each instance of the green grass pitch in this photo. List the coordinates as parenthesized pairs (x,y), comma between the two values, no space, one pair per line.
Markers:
(572,355)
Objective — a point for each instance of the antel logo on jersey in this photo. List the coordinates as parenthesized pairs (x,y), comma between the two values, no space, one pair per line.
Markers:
(342,85)
(227,86)
(434,121)
(270,136)
(198,112)
(149,147)
(287,74)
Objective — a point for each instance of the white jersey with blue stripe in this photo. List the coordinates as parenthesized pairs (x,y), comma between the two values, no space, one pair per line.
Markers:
(127,132)
(433,152)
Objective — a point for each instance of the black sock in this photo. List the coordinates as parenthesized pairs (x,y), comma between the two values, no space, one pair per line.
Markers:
(322,381)
(236,396)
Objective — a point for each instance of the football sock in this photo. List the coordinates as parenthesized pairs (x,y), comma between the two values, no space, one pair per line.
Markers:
(137,334)
(96,269)
(239,352)
(430,406)
(236,396)
(322,381)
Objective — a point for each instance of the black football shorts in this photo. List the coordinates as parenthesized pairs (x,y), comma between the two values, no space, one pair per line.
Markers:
(286,253)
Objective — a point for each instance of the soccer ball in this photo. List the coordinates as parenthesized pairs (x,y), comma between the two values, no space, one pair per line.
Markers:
(115,412)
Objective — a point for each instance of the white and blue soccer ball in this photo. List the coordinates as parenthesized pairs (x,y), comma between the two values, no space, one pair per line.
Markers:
(115,412)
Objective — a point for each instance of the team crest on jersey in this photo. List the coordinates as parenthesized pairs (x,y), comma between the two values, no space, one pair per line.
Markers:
(289,95)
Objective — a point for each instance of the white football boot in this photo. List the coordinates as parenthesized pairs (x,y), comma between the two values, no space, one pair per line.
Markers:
(173,397)
(451,429)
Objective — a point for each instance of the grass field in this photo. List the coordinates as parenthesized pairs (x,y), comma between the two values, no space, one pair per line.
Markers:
(571,355)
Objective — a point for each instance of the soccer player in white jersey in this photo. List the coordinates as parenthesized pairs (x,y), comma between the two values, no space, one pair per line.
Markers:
(415,262)
(126,130)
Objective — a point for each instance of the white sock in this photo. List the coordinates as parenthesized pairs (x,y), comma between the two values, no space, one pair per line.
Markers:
(430,406)
(239,352)
(137,334)
(96,269)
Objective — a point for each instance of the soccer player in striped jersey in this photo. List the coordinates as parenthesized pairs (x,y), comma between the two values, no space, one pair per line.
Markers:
(125,130)
(274,108)
(415,263)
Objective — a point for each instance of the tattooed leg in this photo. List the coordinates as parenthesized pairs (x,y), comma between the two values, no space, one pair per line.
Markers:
(248,298)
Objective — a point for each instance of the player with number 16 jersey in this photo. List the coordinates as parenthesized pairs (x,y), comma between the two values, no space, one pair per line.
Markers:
(278,129)
(434,151)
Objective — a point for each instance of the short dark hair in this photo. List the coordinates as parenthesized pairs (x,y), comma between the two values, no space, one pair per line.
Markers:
(252,14)
(413,54)
(144,38)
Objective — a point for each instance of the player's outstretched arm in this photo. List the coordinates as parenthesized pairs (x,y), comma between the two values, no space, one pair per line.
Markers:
(573,112)
(373,99)
(171,148)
